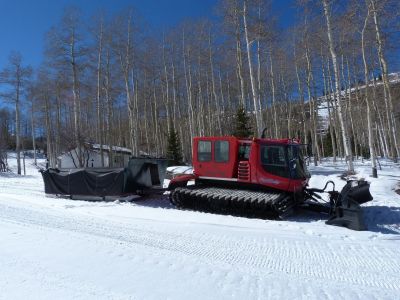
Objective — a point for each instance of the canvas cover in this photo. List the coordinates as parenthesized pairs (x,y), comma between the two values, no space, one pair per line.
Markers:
(141,174)
(95,182)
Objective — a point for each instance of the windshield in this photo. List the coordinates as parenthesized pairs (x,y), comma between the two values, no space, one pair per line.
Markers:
(284,161)
(296,155)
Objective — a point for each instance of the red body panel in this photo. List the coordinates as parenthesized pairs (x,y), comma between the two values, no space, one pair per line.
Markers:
(180,181)
(247,169)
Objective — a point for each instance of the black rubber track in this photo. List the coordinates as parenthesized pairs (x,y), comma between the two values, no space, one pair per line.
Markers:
(255,204)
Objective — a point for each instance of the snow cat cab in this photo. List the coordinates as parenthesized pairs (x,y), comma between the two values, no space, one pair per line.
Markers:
(255,163)
(261,177)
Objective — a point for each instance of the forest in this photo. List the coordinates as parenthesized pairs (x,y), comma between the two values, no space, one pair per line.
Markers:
(329,78)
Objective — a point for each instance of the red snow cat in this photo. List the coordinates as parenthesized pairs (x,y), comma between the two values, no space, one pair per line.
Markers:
(262,178)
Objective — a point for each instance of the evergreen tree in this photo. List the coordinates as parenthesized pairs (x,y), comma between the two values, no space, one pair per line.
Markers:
(242,126)
(174,151)
(327,141)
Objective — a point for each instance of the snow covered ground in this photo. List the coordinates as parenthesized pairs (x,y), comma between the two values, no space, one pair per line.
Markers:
(64,249)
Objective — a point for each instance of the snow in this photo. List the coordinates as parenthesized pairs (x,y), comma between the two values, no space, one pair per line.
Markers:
(117,149)
(174,171)
(180,170)
(114,148)
(64,249)
(322,109)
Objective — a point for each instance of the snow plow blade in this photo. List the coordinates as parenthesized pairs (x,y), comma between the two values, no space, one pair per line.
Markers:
(345,207)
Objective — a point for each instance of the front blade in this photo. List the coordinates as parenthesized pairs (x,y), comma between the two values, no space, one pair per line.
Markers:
(347,211)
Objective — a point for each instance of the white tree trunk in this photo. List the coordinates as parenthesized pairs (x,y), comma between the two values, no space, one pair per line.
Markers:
(17,128)
(98,96)
(312,107)
(214,91)
(390,115)
(239,61)
(272,75)
(257,110)
(345,138)
(33,134)
(75,94)
(367,100)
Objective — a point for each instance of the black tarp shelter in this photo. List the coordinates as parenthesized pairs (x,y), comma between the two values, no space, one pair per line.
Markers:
(141,174)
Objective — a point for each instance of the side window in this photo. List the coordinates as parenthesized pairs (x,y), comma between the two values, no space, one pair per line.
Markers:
(274,155)
(244,152)
(273,160)
(204,151)
(221,151)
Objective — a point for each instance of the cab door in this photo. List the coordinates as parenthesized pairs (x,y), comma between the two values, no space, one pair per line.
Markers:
(215,157)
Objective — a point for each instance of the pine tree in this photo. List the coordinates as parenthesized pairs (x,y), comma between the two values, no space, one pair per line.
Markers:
(174,151)
(242,126)
(327,141)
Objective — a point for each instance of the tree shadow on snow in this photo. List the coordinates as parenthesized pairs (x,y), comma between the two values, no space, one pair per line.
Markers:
(155,202)
(326,172)
(390,175)
(13,175)
(380,219)
(305,216)
(383,219)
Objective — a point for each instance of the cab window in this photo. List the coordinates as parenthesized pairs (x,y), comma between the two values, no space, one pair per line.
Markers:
(204,151)
(273,156)
(244,152)
(221,151)
(273,160)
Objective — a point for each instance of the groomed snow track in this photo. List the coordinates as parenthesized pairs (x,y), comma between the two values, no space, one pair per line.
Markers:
(321,265)
(248,203)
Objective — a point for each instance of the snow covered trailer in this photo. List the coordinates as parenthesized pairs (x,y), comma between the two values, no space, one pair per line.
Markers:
(140,175)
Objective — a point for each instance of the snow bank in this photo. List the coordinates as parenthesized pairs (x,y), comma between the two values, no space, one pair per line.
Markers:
(177,170)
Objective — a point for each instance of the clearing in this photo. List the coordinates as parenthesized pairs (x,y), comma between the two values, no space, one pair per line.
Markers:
(57,248)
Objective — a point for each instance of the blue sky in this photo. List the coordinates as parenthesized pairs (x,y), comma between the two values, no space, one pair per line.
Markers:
(23,23)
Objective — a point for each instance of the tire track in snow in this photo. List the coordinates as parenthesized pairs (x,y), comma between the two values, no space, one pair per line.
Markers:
(288,256)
